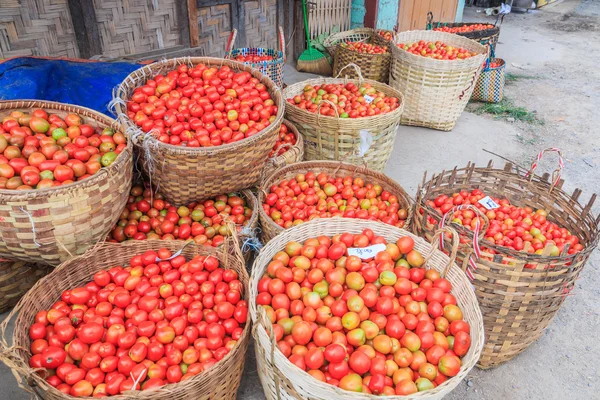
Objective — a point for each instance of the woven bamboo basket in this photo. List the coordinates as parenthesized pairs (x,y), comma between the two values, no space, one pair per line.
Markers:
(333,138)
(219,382)
(436,91)
(283,380)
(333,168)
(184,174)
(519,293)
(274,68)
(353,35)
(50,225)
(372,66)
(380,40)
(294,154)
(16,278)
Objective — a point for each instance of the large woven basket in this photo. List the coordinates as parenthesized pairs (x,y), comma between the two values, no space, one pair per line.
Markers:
(294,154)
(273,69)
(436,91)
(270,229)
(16,278)
(219,382)
(372,66)
(51,225)
(517,302)
(283,380)
(333,138)
(184,174)
(353,35)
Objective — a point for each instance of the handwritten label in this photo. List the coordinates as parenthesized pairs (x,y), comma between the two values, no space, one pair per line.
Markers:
(366,252)
(369,99)
(488,203)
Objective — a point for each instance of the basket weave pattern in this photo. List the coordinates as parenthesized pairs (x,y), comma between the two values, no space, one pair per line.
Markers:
(490,84)
(436,91)
(270,229)
(294,154)
(332,138)
(373,66)
(283,380)
(184,174)
(50,225)
(16,278)
(517,302)
(353,35)
(219,382)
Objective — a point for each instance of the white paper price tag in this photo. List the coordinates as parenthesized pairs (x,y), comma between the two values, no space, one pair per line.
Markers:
(369,99)
(488,203)
(366,252)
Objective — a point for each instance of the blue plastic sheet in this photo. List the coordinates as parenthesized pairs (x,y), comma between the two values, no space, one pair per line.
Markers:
(82,83)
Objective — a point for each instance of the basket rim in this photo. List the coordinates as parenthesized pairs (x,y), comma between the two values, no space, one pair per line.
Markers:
(133,81)
(240,49)
(154,244)
(481,49)
(488,32)
(328,42)
(382,87)
(84,183)
(299,139)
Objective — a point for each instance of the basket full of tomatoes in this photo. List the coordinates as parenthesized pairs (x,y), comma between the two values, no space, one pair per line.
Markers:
(64,176)
(354,120)
(352,309)
(533,240)
(373,59)
(437,72)
(484,33)
(138,320)
(203,126)
(289,149)
(268,61)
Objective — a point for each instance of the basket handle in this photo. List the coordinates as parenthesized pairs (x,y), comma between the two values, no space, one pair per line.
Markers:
(282,43)
(429,21)
(231,41)
(319,109)
(356,68)
(439,234)
(557,172)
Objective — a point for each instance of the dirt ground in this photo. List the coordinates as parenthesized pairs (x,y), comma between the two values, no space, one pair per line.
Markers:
(552,56)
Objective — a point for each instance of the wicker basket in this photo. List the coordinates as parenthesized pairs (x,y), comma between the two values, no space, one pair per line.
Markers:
(519,293)
(380,40)
(283,380)
(490,84)
(373,66)
(294,154)
(354,35)
(485,37)
(50,225)
(219,382)
(16,278)
(273,69)
(184,174)
(333,138)
(270,229)
(436,91)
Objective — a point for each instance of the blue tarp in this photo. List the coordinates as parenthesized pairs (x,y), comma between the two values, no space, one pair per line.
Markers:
(82,83)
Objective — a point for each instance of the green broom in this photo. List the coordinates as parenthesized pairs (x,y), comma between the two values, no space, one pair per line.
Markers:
(312,60)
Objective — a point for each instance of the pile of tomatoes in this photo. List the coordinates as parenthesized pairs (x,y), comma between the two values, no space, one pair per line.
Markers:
(318,195)
(202,106)
(149,216)
(285,139)
(40,150)
(350,101)
(249,58)
(387,35)
(495,64)
(437,50)
(140,327)
(382,325)
(518,228)
(366,48)
(464,28)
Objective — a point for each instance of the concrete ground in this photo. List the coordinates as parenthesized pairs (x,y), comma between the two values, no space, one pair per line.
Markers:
(553,54)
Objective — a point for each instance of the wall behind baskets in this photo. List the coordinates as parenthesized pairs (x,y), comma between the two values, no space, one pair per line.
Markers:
(136,29)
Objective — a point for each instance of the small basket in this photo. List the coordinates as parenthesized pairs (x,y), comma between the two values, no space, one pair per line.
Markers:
(270,229)
(283,380)
(333,138)
(380,40)
(519,293)
(272,69)
(16,278)
(293,155)
(354,35)
(219,382)
(490,84)
(185,174)
(372,66)
(436,91)
(51,225)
